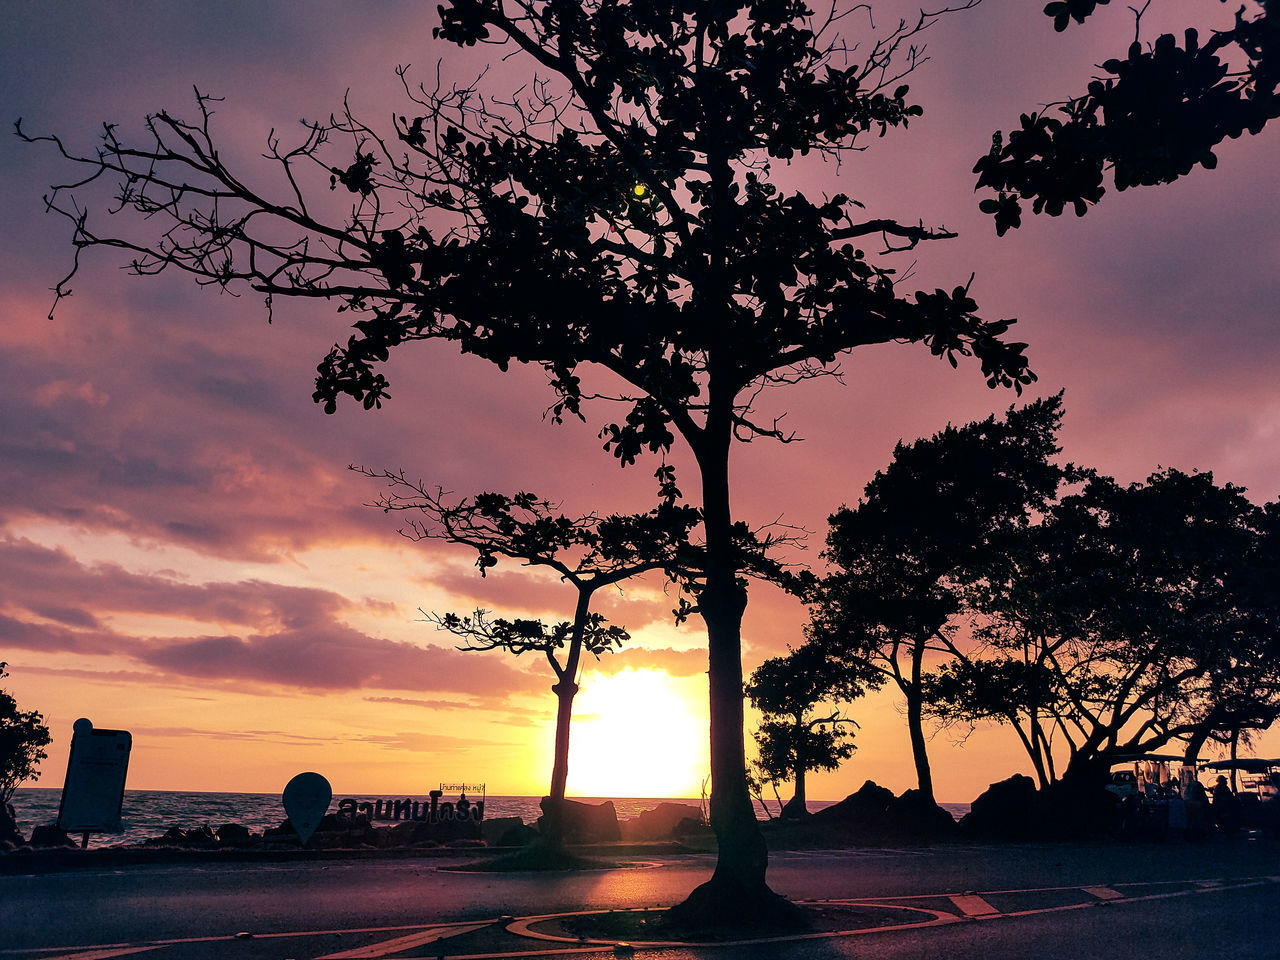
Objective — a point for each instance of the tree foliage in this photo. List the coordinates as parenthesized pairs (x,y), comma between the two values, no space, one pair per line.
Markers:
(790,740)
(23,737)
(588,552)
(928,524)
(1155,115)
(614,214)
(1132,618)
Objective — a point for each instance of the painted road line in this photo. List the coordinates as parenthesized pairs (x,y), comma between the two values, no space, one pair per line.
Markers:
(385,947)
(972,905)
(103,954)
(1103,893)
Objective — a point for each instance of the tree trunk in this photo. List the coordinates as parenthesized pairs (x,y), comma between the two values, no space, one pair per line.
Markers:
(565,690)
(737,895)
(915,725)
(1235,748)
(799,803)
(1195,743)
(553,806)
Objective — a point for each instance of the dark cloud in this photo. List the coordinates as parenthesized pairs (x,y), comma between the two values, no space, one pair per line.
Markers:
(296,636)
(55,638)
(69,616)
(329,656)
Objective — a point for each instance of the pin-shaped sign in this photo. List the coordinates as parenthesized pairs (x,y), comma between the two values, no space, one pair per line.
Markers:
(306,800)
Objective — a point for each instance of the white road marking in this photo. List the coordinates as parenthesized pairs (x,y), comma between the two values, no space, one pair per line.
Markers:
(103,954)
(1103,893)
(385,947)
(972,905)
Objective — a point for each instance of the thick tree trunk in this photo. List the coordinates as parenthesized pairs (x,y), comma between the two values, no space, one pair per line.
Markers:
(800,803)
(1195,743)
(737,895)
(915,725)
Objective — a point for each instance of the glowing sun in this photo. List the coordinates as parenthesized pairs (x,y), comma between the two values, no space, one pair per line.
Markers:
(639,733)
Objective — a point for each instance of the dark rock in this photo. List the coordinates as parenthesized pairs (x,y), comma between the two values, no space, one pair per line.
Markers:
(50,835)
(863,814)
(280,833)
(493,829)
(692,827)
(874,814)
(403,834)
(199,837)
(793,809)
(1005,811)
(445,831)
(913,817)
(659,823)
(520,835)
(233,834)
(9,832)
(586,823)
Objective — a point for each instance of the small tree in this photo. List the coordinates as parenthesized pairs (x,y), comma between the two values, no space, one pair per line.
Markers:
(587,552)
(930,521)
(23,737)
(791,741)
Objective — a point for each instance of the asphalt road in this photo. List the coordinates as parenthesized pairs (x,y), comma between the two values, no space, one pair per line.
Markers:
(1069,901)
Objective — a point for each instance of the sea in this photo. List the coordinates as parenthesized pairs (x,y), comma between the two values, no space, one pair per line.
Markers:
(149,813)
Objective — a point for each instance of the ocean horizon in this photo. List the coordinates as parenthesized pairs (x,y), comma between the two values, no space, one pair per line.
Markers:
(149,813)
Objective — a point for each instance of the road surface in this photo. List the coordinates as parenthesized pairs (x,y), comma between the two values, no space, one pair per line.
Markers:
(1047,901)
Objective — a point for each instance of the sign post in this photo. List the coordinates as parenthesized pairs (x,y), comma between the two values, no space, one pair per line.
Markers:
(306,799)
(93,792)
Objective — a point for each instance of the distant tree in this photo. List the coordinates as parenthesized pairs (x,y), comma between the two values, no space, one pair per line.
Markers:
(1158,113)
(615,213)
(588,553)
(23,737)
(932,520)
(1130,619)
(792,741)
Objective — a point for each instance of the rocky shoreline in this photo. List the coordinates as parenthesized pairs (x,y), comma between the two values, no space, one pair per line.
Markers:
(1011,810)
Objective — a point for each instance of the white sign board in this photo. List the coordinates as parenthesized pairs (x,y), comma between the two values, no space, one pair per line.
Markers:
(93,792)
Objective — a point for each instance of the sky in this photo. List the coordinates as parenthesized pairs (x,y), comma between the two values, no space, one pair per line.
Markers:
(184,553)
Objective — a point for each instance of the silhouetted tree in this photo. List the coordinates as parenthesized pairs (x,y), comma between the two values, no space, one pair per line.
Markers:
(1157,114)
(588,553)
(616,213)
(23,737)
(791,741)
(1131,618)
(931,521)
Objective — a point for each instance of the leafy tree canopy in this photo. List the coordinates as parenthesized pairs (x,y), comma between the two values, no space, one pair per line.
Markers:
(1132,617)
(23,737)
(1152,117)
(790,740)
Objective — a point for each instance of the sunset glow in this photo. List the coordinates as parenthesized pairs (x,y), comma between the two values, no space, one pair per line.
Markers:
(639,733)
(184,553)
